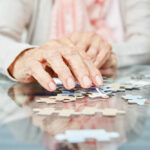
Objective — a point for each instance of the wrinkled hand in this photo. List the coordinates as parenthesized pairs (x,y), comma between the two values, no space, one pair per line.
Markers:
(65,61)
(99,51)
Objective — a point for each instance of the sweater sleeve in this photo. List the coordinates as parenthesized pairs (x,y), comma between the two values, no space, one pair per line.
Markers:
(15,16)
(136,21)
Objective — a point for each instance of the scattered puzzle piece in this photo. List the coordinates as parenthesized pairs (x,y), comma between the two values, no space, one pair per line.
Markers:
(117,88)
(137,101)
(134,99)
(129,96)
(114,87)
(46,100)
(129,87)
(97,95)
(60,97)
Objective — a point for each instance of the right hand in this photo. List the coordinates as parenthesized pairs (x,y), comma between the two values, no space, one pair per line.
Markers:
(66,61)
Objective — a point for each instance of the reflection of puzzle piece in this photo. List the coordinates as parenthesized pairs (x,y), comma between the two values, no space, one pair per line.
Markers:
(54,101)
(67,112)
(129,96)
(50,111)
(44,111)
(89,111)
(137,101)
(105,112)
(111,112)
(78,136)
(85,111)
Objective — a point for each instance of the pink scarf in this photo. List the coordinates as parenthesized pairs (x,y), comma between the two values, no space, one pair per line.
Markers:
(68,16)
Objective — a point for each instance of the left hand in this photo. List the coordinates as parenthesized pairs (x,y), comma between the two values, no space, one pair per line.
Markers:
(98,50)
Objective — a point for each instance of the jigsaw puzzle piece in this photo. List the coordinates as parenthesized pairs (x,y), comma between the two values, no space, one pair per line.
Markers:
(130,96)
(137,101)
(61,97)
(44,111)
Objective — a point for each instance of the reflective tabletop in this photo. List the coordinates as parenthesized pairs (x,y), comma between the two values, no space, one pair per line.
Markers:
(22,129)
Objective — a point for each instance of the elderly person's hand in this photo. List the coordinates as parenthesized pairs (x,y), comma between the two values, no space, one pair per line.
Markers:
(65,61)
(98,50)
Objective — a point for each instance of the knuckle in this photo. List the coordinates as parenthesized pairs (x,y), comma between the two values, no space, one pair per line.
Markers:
(82,47)
(94,50)
(82,53)
(71,51)
(92,55)
(63,72)
(51,54)
(87,59)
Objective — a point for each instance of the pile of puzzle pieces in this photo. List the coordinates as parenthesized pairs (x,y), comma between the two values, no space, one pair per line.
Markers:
(65,96)
(86,111)
(103,92)
(78,136)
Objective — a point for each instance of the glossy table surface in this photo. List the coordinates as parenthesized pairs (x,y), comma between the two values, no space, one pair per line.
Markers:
(21,129)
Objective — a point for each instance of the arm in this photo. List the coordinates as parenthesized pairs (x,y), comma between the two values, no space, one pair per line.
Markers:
(33,63)
(14,18)
(136,20)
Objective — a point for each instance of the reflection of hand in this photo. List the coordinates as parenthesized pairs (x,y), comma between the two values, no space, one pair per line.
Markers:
(23,94)
(62,59)
(98,50)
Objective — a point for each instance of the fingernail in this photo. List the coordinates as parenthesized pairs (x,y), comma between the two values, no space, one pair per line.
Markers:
(70,83)
(98,80)
(52,86)
(86,81)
